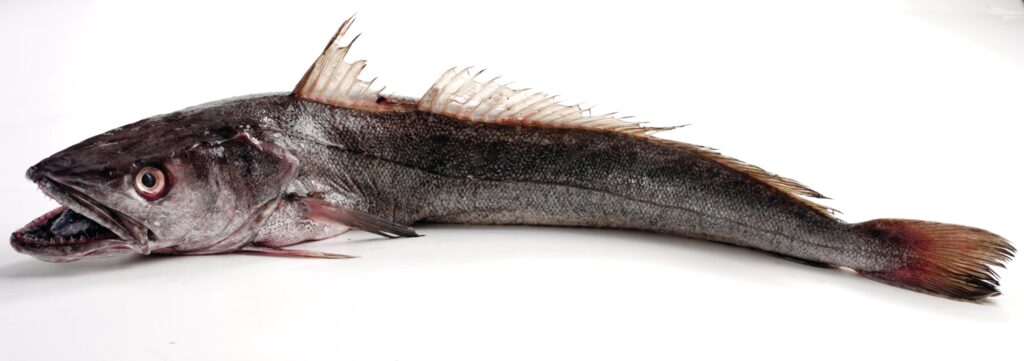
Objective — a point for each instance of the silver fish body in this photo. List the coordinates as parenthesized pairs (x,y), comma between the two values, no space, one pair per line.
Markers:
(415,166)
(263,172)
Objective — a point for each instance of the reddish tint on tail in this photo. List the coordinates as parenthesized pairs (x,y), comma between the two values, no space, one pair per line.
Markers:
(942,259)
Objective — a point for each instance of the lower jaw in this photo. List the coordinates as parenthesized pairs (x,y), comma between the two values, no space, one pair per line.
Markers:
(36,240)
(56,254)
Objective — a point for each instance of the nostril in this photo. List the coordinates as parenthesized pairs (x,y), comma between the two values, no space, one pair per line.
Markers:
(33,173)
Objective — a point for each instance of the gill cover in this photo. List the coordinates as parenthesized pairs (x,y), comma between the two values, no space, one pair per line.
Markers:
(220,194)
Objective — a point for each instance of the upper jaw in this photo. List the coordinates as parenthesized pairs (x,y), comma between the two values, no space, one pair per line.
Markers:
(130,234)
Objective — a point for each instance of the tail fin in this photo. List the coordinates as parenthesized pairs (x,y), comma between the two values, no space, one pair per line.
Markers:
(942,259)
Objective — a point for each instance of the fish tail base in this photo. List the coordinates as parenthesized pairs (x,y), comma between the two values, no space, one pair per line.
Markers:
(942,259)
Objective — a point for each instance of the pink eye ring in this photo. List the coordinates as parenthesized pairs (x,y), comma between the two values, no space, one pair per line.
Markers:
(151,183)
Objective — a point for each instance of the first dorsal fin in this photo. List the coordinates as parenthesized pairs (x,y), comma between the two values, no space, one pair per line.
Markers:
(334,81)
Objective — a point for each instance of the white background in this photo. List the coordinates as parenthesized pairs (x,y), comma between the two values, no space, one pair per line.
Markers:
(893,108)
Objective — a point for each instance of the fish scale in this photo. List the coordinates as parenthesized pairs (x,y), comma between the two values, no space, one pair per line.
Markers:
(263,172)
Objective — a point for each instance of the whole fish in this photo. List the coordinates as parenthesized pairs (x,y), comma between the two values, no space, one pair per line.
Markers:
(259,173)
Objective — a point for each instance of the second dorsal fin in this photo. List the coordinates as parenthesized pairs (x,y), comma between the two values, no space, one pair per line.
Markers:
(334,81)
(460,95)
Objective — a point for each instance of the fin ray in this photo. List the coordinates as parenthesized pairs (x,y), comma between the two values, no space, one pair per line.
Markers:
(459,94)
(288,252)
(332,80)
(321,210)
(796,190)
(948,260)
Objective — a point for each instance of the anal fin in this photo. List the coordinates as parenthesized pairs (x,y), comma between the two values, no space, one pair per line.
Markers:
(802,261)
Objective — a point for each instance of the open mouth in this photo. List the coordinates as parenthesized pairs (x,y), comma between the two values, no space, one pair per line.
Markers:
(63,226)
(80,227)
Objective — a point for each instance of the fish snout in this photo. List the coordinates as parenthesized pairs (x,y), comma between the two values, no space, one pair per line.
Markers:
(34,173)
(47,168)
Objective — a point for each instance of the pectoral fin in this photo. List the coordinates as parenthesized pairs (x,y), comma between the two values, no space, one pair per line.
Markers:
(322,211)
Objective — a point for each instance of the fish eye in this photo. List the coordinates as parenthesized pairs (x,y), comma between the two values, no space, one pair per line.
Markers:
(151,183)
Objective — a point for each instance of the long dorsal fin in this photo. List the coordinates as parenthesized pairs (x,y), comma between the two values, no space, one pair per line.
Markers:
(459,94)
(334,81)
(794,189)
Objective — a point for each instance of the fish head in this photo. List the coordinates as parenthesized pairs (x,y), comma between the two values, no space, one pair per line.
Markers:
(166,184)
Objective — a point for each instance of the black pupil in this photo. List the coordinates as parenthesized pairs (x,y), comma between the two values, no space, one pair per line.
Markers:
(148,180)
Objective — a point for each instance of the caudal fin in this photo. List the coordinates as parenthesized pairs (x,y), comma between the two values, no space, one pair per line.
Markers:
(942,259)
